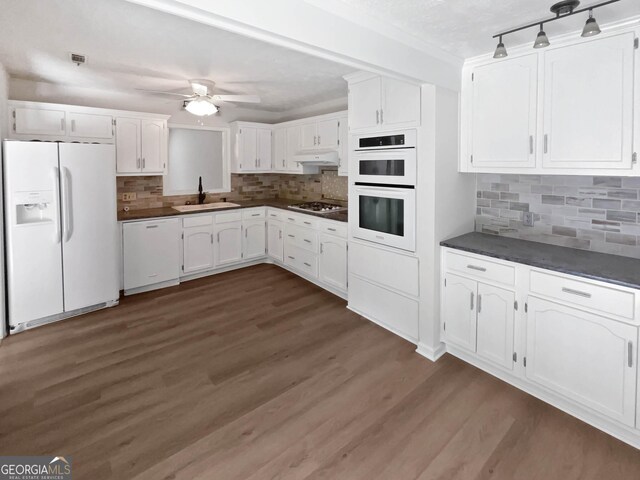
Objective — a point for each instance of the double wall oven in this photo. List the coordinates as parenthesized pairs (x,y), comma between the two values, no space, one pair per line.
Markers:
(384,190)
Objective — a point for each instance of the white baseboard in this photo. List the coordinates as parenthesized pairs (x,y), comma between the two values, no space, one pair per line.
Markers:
(431,353)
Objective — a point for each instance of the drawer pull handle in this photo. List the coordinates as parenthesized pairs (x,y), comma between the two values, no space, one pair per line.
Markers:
(479,303)
(331,229)
(272,215)
(152,226)
(576,292)
(307,240)
(255,214)
(307,223)
(292,258)
(475,267)
(292,219)
(630,354)
(307,264)
(471,300)
(291,236)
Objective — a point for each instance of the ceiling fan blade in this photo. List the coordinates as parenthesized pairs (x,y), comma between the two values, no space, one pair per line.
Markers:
(158,92)
(238,98)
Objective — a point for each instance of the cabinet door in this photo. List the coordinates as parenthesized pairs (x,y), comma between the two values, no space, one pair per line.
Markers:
(364,104)
(333,261)
(128,145)
(153,146)
(228,246)
(495,325)
(587,358)
(264,148)
(588,104)
(503,113)
(400,104)
(293,146)
(459,312)
(197,249)
(34,121)
(309,136)
(275,240)
(89,125)
(151,252)
(254,239)
(280,149)
(328,134)
(248,149)
(343,149)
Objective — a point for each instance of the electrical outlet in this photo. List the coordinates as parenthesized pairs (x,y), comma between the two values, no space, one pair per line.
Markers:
(527,219)
(129,196)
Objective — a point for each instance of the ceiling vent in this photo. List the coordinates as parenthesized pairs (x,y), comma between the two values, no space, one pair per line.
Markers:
(78,59)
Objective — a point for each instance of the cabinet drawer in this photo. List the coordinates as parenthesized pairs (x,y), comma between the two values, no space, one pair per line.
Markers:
(302,220)
(252,213)
(480,268)
(274,214)
(304,238)
(197,221)
(389,269)
(610,300)
(302,260)
(334,228)
(228,217)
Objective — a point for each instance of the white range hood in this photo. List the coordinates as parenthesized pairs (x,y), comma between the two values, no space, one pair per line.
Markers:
(320,158)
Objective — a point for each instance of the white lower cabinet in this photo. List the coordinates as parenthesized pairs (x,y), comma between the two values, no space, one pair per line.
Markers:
(254,241)
(333,261)
(275,240)
(573,341)
(228,246)
(151,253)
(197,244)
(588,358)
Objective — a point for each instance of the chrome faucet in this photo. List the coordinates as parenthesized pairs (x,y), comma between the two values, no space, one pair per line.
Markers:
(201,195)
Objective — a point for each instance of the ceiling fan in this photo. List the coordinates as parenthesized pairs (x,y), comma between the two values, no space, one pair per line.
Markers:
(203,103)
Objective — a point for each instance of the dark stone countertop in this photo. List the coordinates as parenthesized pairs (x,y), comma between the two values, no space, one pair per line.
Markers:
(273,202)
(614,269)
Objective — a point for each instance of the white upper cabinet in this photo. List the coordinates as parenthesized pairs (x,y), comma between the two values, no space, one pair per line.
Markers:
(280,149)
(503,113)
(293,146)
(328,134)
(248,149)
(588,104)
(153,144)
(308,136)
(128,145)
(380,103)
(90,125)
(39,121)
(567,109)
(264,148)
(251,147)
(141,146)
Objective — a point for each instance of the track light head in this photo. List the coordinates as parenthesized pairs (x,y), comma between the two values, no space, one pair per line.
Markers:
(541,40)
(501,51)
(591,28)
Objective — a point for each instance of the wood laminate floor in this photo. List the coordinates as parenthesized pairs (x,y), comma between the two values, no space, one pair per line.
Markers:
(257,374)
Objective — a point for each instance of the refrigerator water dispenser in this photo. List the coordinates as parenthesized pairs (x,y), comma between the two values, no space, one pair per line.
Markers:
(34,207)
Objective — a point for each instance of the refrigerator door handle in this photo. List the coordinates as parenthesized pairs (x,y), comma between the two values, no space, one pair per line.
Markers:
(66,200)
(55,173)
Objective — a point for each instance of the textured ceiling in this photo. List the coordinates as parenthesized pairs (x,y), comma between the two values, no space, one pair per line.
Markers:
(132,47)
(464,27)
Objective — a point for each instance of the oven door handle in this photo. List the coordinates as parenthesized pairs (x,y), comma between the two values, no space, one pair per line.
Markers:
(372,188)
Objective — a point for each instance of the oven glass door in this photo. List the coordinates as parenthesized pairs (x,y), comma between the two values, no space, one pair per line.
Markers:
(391,167)
(385,215)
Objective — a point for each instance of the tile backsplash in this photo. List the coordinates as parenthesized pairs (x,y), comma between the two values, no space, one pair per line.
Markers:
(327,185)
(586,212)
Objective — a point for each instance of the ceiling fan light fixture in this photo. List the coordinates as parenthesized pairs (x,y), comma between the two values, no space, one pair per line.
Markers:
(591,28)
(541,40)
(501,51)
(200,107)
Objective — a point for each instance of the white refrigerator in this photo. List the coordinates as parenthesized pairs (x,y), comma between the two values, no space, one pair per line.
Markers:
(61,230)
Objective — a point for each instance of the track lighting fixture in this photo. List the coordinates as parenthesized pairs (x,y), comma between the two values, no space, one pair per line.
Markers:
(500,52)
(591,28)
(562,9)
(541,40)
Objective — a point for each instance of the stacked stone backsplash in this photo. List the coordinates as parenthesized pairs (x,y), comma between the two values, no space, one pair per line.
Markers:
(327,185)
(590,213)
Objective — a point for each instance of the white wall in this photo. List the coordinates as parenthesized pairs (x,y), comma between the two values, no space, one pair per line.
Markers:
(4,129)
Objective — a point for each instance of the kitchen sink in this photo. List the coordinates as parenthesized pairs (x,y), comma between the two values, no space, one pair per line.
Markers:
(205,206)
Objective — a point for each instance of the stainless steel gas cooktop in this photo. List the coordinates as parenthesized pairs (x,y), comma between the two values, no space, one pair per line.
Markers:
(318,207)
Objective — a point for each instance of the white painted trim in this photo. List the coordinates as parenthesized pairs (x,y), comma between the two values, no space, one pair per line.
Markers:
(430,353)
(155,286)
(83,109)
